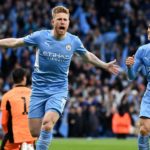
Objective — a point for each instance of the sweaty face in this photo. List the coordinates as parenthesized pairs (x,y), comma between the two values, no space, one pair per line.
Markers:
(148,32)
(60,23)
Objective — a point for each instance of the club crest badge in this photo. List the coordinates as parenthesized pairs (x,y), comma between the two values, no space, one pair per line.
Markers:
(68,47)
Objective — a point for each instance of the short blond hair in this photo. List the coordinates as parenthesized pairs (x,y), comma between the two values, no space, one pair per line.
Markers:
(60,9)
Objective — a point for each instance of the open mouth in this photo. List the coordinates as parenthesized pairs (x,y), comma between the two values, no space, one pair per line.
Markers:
(62,28)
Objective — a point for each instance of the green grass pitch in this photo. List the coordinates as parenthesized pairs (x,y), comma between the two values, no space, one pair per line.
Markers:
(94,144)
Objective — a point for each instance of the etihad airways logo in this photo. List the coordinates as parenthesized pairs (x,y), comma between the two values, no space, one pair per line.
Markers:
(55,56)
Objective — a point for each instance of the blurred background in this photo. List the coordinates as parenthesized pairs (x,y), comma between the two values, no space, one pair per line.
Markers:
(100,104)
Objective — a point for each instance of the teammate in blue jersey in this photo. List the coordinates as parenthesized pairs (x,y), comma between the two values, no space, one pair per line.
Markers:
(134,65)
(55,49)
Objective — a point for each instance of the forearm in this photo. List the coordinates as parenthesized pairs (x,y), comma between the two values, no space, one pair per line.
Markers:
(11,42)
(131,73)
(96,61)
(4,128)
(4,122)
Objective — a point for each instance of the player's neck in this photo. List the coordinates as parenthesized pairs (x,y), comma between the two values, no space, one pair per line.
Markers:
(57,36)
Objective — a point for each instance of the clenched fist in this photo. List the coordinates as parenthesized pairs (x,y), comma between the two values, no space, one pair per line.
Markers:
(130,61)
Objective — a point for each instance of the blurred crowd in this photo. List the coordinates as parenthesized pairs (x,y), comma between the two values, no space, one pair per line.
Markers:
(111,29)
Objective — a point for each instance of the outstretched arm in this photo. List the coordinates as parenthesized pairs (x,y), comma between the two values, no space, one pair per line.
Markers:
(110,66)
(11,42)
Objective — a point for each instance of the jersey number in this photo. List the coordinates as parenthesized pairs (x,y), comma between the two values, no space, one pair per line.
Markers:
(25,106)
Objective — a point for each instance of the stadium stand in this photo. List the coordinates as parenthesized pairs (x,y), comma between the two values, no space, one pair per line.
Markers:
(110,29)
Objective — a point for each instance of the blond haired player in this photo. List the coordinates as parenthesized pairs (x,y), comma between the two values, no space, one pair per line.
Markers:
(55,49)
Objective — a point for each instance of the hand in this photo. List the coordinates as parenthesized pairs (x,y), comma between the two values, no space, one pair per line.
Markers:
(130,61)
(112,68)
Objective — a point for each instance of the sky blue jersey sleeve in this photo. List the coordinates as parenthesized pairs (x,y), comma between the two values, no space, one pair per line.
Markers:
(133,71)
(32,39)
(79,47)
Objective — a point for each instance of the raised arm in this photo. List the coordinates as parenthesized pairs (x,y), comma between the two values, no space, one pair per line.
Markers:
(134,64)
(11,42)
(110,66)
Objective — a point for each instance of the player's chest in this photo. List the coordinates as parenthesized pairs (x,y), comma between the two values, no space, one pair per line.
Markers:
(146,60)
(58,47)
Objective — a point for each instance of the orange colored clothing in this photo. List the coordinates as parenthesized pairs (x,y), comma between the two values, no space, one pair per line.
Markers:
(14,108)
(14,146)
(121,124)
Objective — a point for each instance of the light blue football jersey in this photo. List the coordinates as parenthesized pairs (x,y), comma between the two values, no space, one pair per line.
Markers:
(142,59)
(52,62)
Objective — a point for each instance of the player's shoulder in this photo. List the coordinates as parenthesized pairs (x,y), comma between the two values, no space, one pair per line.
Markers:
(25,88)
(21,89)
(145,47)
(15,90)
(7,95)
(143,50)
(72,36)
(40,33)
(43,31)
